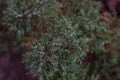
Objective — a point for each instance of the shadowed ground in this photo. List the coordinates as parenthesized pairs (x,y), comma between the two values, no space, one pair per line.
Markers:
(12,68)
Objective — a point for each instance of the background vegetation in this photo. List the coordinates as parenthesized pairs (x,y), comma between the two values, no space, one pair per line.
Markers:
(64,40)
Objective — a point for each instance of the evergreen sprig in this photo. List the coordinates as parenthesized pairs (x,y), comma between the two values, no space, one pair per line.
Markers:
(72,43)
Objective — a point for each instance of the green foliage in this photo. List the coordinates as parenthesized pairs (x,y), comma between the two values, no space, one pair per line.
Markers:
(72,39)
(59,53)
